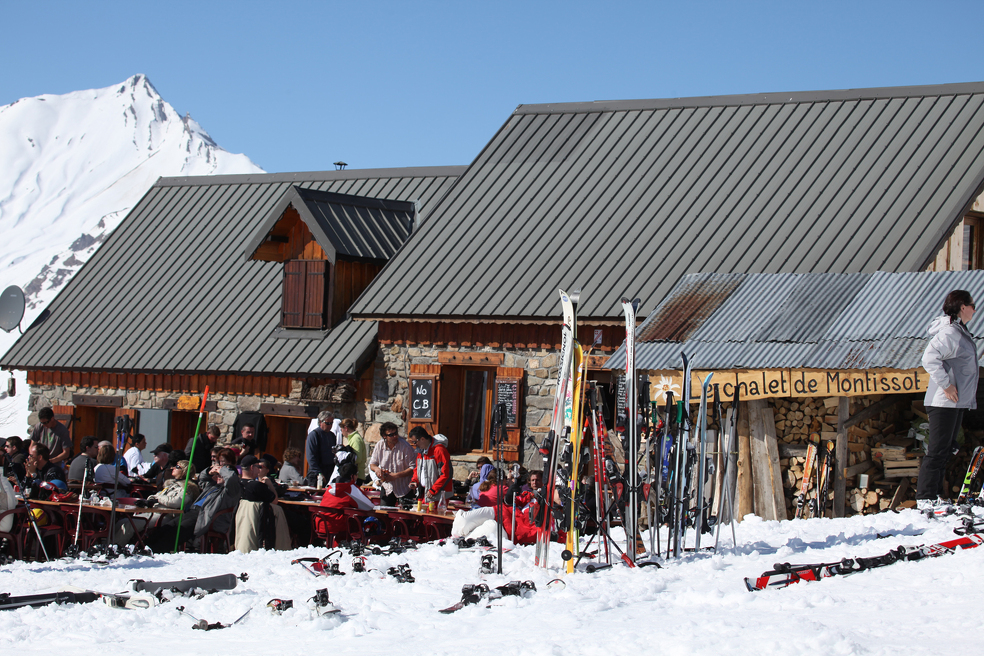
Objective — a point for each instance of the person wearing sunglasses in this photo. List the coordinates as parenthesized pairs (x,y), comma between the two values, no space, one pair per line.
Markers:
(392,462)
(950,359)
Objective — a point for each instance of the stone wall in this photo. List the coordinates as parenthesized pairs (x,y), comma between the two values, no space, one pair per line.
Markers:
(228,406)
(391,385)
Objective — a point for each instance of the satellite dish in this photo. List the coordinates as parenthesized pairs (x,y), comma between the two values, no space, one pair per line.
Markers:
(11,308)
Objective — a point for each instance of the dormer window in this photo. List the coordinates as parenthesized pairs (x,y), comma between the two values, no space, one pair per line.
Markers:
(331,246)
(306,302)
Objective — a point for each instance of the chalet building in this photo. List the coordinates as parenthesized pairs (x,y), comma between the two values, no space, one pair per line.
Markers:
(813,357)
(241,283)
(625,198)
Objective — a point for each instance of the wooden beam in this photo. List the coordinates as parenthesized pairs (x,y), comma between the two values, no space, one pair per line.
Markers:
(840,456)
(854,470)
(746,497)
(899,493)
(871,411)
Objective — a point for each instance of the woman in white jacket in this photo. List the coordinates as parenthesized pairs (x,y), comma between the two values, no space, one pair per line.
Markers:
(950,359)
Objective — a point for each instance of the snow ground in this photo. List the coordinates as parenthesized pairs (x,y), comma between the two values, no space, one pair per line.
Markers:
(696,605)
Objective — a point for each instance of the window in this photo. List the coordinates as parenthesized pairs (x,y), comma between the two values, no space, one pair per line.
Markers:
(305,299)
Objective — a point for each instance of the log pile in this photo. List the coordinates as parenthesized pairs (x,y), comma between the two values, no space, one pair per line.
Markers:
(800,421)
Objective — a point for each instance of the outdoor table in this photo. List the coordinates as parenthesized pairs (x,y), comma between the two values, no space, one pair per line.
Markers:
(126,511)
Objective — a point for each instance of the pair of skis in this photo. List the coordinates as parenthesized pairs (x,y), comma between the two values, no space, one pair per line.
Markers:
(785,574)
(820,469)
(551,446)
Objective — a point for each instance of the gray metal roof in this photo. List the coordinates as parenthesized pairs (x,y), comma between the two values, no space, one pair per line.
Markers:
(624,198)
(169,291)
(810,321)
(350,226)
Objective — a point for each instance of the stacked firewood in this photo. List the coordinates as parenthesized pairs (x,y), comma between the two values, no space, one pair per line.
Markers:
(800,421)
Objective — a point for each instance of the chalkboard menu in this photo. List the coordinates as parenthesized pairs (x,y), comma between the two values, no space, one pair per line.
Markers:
(422,398)
(507,391)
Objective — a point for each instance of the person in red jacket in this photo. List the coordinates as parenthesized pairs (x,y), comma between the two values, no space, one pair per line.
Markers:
(341,494)
(433,472)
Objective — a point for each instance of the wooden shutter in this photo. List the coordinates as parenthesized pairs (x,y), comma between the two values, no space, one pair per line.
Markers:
(314,294)
(294,278)
(66,415)
(304,294)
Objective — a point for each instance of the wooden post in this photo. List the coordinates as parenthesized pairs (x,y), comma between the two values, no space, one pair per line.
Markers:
(840,456)
(745,492)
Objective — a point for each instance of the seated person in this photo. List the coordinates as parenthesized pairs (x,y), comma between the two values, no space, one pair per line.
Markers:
(489,490)
(16,457)
(342,493)
(106,468)
(256,524)
(484,471)
(38,466)
(272,467)
(85,460)
(134,455)
(157,473)
(219,485)
(475,475)
(174,487)
(290,472)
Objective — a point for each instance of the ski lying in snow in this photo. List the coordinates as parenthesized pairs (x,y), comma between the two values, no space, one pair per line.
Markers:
(8,602)
(210,583)
(472,593)
(130,601)
(202,625)
(784,574)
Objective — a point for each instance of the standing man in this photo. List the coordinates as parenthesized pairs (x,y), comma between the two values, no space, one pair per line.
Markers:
(203,443)
(434,473)
(392,461)
(54,435)
(246,441)
(320,449)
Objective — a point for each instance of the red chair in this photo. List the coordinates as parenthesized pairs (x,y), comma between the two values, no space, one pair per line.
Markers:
(54,530)
(16,535)
(321,520)
(213,537)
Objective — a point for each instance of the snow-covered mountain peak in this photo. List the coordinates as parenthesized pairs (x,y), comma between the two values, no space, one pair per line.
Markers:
(73,165)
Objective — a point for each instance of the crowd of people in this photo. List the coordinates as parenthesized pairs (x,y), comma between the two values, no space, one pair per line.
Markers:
(220,488)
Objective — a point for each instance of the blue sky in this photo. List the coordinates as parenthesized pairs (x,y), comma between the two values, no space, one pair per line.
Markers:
(299,85)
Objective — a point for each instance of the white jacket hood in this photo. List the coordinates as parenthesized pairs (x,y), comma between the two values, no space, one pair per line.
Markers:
(938,324)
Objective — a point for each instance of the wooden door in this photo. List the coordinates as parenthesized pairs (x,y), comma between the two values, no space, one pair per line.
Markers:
(66,415)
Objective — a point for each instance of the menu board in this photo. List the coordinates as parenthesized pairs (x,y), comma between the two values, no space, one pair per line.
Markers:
(507,392)
(422,398)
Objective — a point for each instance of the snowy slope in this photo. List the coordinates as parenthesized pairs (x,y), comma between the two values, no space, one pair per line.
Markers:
(71,167)
(695,605)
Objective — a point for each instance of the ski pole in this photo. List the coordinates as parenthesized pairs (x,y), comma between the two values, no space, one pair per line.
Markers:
(30,515)
(78,521)
(191,458)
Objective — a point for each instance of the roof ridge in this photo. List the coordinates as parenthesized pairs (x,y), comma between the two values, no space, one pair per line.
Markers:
(768,98)
(311,176)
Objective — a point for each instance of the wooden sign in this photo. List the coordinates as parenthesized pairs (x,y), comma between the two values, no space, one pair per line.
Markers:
(507,391)
(811,382)
(422,398)
(772,383)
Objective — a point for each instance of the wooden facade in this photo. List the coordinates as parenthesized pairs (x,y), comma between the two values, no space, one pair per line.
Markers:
(490,334)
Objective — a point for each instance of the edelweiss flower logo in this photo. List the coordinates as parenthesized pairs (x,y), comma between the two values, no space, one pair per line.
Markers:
(664,385)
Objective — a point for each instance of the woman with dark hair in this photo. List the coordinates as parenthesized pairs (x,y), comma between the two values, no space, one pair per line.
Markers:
(950,359)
